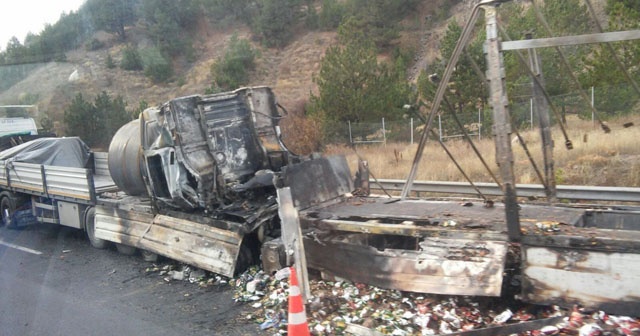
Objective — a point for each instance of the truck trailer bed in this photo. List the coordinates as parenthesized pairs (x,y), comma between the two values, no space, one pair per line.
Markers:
(568,255)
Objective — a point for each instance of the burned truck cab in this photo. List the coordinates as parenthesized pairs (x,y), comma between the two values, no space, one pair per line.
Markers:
(197,178)
(205,152)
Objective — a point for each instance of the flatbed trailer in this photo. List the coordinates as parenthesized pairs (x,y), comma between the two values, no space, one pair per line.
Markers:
(57,194)
(568,255)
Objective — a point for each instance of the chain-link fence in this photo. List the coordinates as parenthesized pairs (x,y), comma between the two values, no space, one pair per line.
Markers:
(609,101)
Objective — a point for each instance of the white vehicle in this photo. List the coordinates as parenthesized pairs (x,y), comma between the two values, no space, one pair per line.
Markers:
(17,126)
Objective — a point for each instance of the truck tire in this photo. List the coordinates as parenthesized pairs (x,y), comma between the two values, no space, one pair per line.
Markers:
(149,256)
(126,249)
(7,208)
(89,228)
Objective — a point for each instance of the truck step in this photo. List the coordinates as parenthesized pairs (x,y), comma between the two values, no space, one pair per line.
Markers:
(45,206)
(48,220)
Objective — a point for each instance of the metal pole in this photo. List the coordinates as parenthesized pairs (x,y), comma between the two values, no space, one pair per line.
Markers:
(479,125)
(544,122)
(531,113)
(384,133)
(293,238)
(411,125)
(593,117)
(446,76)
(501,124)
(350,137)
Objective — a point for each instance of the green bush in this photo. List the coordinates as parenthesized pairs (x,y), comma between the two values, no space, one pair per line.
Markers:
(232,71)
(156,66)
(131,59)
(93,44)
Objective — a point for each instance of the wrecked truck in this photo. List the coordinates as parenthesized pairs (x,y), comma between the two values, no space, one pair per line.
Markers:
(191,180)
(196,180)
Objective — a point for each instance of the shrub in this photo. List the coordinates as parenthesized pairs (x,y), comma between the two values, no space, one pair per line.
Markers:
(109,63)
(232,71)
(131,59)
(156,66)
(94,44)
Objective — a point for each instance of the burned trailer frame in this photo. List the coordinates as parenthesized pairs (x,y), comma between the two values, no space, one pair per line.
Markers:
(414,245)
(562,254)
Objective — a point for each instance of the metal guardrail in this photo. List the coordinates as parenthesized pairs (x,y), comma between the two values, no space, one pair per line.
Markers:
(571,192)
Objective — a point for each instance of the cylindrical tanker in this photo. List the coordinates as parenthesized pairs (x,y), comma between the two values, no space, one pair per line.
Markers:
(125,159)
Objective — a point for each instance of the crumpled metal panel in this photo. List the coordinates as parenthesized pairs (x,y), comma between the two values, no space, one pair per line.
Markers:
(191,150)
(324,179)
(440,266)
(593,264)
(592,279)
(204,246)
(230,136)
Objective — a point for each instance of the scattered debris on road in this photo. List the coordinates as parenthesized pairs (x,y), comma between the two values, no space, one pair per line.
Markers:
(343,307)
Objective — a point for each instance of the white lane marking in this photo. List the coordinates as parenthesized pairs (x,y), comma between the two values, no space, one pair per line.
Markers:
(21,248)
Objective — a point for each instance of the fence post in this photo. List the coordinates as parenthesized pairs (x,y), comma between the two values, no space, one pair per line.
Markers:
(479,124)
(350,137)
(439,127)
(593,117)
(384,133)
(531,113)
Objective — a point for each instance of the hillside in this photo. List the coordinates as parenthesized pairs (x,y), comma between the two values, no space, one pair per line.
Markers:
(289,71)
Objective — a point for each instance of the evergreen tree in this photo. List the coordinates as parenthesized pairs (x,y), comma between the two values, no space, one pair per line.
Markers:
(353,86)
(96,122)
(465,91)
(81,120)
(614,94)
(170,23)
(131,59)
(156,66)
(276,20)
(331,14)
(113,15)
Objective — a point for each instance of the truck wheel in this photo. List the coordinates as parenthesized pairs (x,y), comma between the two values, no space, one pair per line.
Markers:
(149,256)
(7,208)
(126,249)
(89,228)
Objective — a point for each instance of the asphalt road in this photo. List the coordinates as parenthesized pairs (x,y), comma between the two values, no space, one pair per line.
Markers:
(52,282)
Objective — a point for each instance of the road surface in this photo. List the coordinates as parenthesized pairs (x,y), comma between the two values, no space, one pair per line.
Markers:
(52,282)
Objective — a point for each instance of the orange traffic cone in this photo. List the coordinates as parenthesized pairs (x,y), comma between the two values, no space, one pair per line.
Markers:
(297,317)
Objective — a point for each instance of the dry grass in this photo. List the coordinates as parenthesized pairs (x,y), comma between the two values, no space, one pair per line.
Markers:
(611,159)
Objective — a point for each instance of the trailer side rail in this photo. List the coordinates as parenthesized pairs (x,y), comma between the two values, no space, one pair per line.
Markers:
(62,183)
